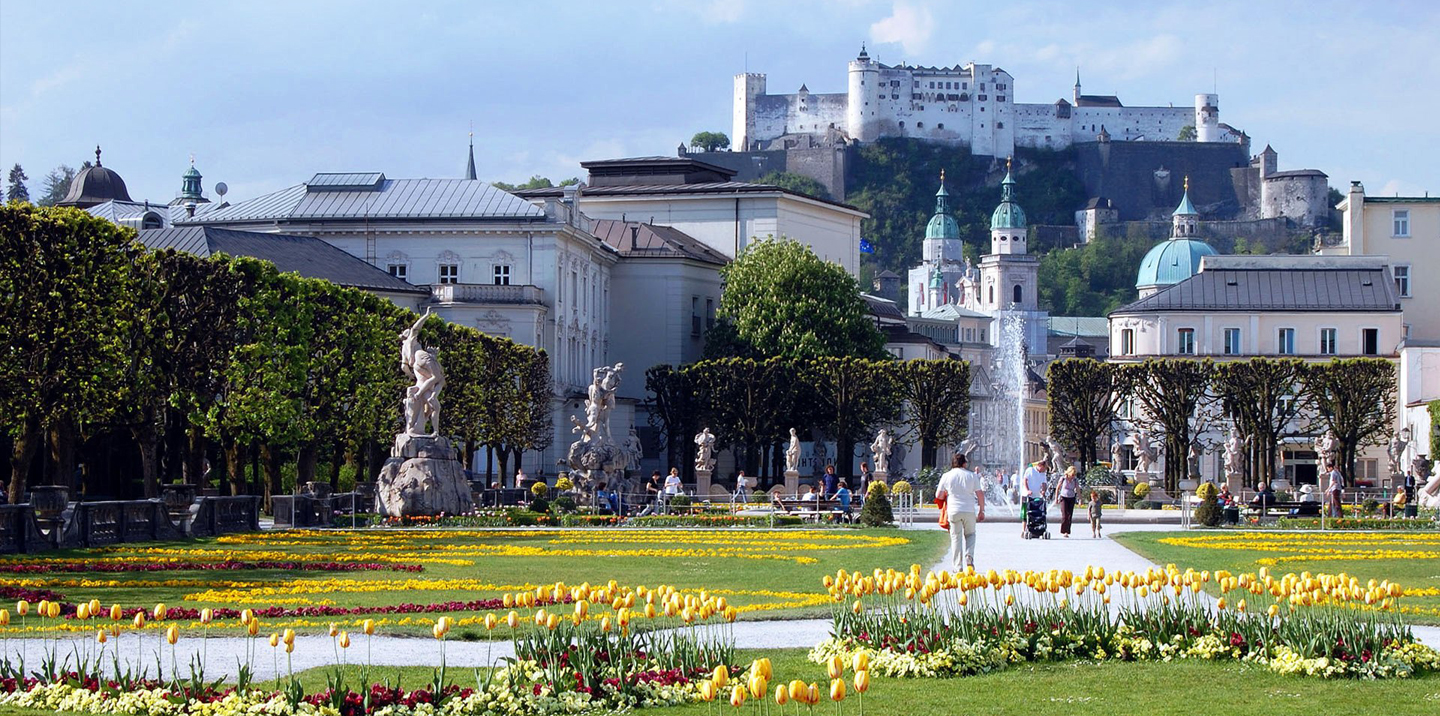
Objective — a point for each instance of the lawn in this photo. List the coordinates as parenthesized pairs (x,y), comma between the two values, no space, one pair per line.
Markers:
(765,573)
(1073,689)
(1409,558)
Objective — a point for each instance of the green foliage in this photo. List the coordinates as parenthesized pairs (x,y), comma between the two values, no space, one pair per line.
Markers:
(680,501)
(936,394)
(1355,399)
(783,300)
(1171,392)
(798,183)
(534,182)
(928,477)
(876,512)
(57,185)
(1187,133)
(674,411)
(1094,278)
(563,504)
(710,141)
(1084,395)
(855,394)
(747,401)
(16,190)
(1263,397)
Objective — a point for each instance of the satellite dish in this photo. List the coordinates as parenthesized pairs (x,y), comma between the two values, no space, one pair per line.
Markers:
(221,188)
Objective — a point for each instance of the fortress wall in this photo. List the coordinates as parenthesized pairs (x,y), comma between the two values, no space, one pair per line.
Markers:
(1125,172)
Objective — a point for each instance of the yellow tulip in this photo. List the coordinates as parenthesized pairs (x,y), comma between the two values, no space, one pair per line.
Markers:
(836,666)
(54,610)
(95,607)
(4,617)
(369,626)
(288,637)
(861,661)
(551,622)
(812,694)
(782,695)
(490,622)
(100,636)
(862,682)
(605,624)
(82,611)
(289,647)
(837,689)
(253,628)
(707,690)
(116,613)
(1220,604)
(797,691)
(274,640)
(246,616)
(344,640)
(139,620)
(721,677)
(512,620)
(334,630)
(737,696)
(172,634)
(22,607)
(765,668)
(207,615)
(159,612)
(758,686)
(437,632)
(509,600)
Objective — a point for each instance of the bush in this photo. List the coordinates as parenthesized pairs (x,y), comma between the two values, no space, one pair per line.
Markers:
(901,487)
(1208,512)
(680,501)
(759,496)
(539,505)
(928,477)
(563,504)
(564,484)
(1207,491)
(1370,506)
(1142,489)
(876,511)
(1098,476)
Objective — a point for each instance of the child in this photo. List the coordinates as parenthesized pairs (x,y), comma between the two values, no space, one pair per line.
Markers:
(1094,514)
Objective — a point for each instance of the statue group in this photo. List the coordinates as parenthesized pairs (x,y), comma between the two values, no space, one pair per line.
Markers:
(596,456)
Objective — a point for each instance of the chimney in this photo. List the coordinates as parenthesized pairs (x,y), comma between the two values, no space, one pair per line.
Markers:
(634,237)
(190,208)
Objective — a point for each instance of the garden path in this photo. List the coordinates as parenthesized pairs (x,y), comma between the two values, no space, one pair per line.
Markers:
(999,546)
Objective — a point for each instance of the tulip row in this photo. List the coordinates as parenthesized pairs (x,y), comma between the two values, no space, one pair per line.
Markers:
(42,566)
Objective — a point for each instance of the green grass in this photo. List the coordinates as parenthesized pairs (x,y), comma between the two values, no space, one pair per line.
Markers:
(776,573)
(1412,559)
(1072,689)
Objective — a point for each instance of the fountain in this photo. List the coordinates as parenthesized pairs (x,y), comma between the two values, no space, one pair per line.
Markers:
(1004,433)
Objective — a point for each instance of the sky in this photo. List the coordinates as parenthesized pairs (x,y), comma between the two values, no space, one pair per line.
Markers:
(264,94)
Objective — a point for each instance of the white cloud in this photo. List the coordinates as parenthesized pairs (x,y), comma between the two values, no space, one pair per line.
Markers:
(907,24)
(1400,187)
(725,11)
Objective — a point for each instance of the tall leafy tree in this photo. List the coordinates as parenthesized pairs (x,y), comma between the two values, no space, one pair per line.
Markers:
(857,395)
(1173,396)
(783,300)
(710,141)
(57,185)
(1355,399)
(675,412)
(936,395)
(65,285)
(15,189)
(1265,399)
(745,402)
(1084,396)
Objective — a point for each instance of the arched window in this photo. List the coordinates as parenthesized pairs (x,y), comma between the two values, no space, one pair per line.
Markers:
(902,125)
(1019,293)
(991,295)
(940,125)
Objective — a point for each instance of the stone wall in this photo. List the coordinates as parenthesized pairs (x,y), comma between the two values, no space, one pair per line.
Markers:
(818,160)
(1145,178)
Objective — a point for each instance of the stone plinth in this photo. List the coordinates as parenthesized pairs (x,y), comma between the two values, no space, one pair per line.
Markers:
(702,483)
(422,477)
(792,482)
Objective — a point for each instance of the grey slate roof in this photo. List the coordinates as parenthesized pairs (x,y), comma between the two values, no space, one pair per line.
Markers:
(652,241)
(307,256)
(727,187)
(132,213)
(338,196)
(1093,326)
(1278,283)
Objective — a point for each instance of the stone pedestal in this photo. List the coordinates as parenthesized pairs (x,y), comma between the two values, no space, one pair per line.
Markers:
(422,477)
(881,475)
(702,483)
(792,482)
(1235,483)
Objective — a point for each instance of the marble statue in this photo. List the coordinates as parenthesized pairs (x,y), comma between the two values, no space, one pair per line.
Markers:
(422,475)
(1192,458)
(1326,447)
(1117,455)
(596,456)
(1396,452)
(881,449)
(1234,456)
(705,451)
(1429,493)
(1057,454)
(633,451)
(967,446)
(1144,453)
(792,453)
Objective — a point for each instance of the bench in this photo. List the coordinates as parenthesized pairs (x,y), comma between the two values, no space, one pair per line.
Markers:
(1285,508)
(814,508)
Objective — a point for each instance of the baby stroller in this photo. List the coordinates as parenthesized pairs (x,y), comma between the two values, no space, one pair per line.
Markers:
(1036,525)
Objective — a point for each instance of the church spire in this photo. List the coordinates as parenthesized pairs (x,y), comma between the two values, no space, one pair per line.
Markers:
(470,165)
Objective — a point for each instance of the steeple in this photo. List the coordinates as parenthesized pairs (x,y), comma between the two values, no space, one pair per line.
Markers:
(190,188)
(470,164)
(942,225)
(1185,222)
(1077,85)
(1008,225)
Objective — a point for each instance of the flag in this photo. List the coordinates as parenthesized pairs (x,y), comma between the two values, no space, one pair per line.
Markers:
(866,247)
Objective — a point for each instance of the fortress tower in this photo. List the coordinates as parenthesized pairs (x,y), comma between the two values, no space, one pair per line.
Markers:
(1207,117)
(748,87)
(864,98)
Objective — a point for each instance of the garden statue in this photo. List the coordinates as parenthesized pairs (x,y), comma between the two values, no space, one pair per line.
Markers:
(1057,454)
(596,456)
(1192,457)
(1429,496)
(792,453)
(1326,447)
(1144,453)
(1234,456)
(422,475)
(705,451)
(881,449)
(633,451)
(1396,452)
(1117,455)
(967,446)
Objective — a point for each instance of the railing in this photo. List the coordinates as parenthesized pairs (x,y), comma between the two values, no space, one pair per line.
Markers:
(223,515)
(96,524)
(487,293)
(904,508)
(19,532)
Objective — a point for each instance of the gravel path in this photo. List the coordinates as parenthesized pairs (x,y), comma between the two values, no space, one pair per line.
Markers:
(999,546)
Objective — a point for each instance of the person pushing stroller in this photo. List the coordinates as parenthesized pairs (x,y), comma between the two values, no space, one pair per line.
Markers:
(1033,485)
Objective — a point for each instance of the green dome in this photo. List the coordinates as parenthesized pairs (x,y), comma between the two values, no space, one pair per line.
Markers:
(1171,262)
(191,172)
(1008,215)
(942,225)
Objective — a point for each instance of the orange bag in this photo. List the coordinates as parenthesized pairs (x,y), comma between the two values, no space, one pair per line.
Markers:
(944,518)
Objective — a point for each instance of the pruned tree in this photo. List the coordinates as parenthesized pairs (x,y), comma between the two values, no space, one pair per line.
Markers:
(1354,398)
(1265,399)
(936,395)
(1174,396)
(709,141)
(745,401)
(674,412)
(856,395)
(1084,396)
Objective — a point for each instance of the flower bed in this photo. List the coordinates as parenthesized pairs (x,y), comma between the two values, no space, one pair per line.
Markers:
(1353,523)
(43,566)
(956,624)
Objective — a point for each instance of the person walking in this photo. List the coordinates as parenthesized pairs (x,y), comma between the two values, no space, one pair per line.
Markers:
(742,487)
(653,487)
(865,477)
(1032,490)
(830,482)
(964,506)
(842,495)
(1095,510)
(672,487)
(1335,489)
(1066,491)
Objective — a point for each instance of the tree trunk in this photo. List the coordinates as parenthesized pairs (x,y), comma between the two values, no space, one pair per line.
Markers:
(62,453)
(147,440)
(305,467)
(22,452)
(503,456)
(845,456)
(469,457)
(928,448)
(235,465)
(195,459)
(257,477)
(337,458)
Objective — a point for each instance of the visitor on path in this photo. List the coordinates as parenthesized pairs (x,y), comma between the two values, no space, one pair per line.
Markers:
(1065,493)
(672,487)
(1335,488)
(842,494)
(1095,510)
(1032,487)
(865,477)
(830,481)
(964,506)
(742,487)
(653,487)
(1264,497)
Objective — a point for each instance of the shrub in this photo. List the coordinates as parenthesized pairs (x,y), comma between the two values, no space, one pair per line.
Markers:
(1142,489)
(1099,476)
(539,505)
(928,477)
(759,496)
(563,504)
(876,511)
(1370,506)
(1207,491)
(680,501)
(877,486)
(539,489)
(1208,512)
(563,484)
(901,487)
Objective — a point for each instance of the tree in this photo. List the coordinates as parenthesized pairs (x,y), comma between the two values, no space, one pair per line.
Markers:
(783,300)
(65,283)
(1084,396)
(57,185)
(535,182)
(798,183)
(746,401)
(1263,397)
(856,395)
(1354,399)
(1187,134)
(936,394)
(710,141)
(16,191)
(674,412)
(1171,394)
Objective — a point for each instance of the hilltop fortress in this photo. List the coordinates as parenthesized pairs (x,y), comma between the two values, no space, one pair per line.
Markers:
(973,105)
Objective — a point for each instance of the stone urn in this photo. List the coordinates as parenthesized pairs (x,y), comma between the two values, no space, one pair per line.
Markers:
(422,477)
(49,501)
(177,499)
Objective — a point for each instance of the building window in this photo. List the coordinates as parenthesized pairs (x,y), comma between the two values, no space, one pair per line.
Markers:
(1185,342)
(1285,343)
(1018,294)
(1370,341)
(709,313)
(1402,222)
(1329,341)
(919,125)
(940,125)
(400,271)
(1402,281)
(694,315)
(501,275)
(991,296)
(449,273)
(1127,342)
(1232,341)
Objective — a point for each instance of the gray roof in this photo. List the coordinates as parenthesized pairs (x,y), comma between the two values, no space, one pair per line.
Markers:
(133,213)
(348,196)
(1093,326)
(1297,173)
(651,241)
(304,255)
(1279,283)
(726,187)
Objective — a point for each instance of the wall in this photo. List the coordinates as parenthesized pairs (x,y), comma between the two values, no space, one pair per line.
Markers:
(1302,199)
(1125,173)
(651,318)
(1420,252)
(821,161)
(1156,333)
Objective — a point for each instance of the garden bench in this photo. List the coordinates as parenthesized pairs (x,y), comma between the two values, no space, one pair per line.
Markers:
(814,509)
(1285,508)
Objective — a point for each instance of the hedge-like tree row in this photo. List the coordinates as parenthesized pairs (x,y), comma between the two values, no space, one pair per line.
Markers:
(190,356)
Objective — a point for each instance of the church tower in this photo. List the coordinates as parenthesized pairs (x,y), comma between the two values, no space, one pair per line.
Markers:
(1009,275)
(932,283)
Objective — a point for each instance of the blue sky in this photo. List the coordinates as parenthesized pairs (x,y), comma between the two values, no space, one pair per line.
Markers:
(266,93)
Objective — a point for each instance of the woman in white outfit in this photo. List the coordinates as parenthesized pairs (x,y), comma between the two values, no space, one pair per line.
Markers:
(964,506)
